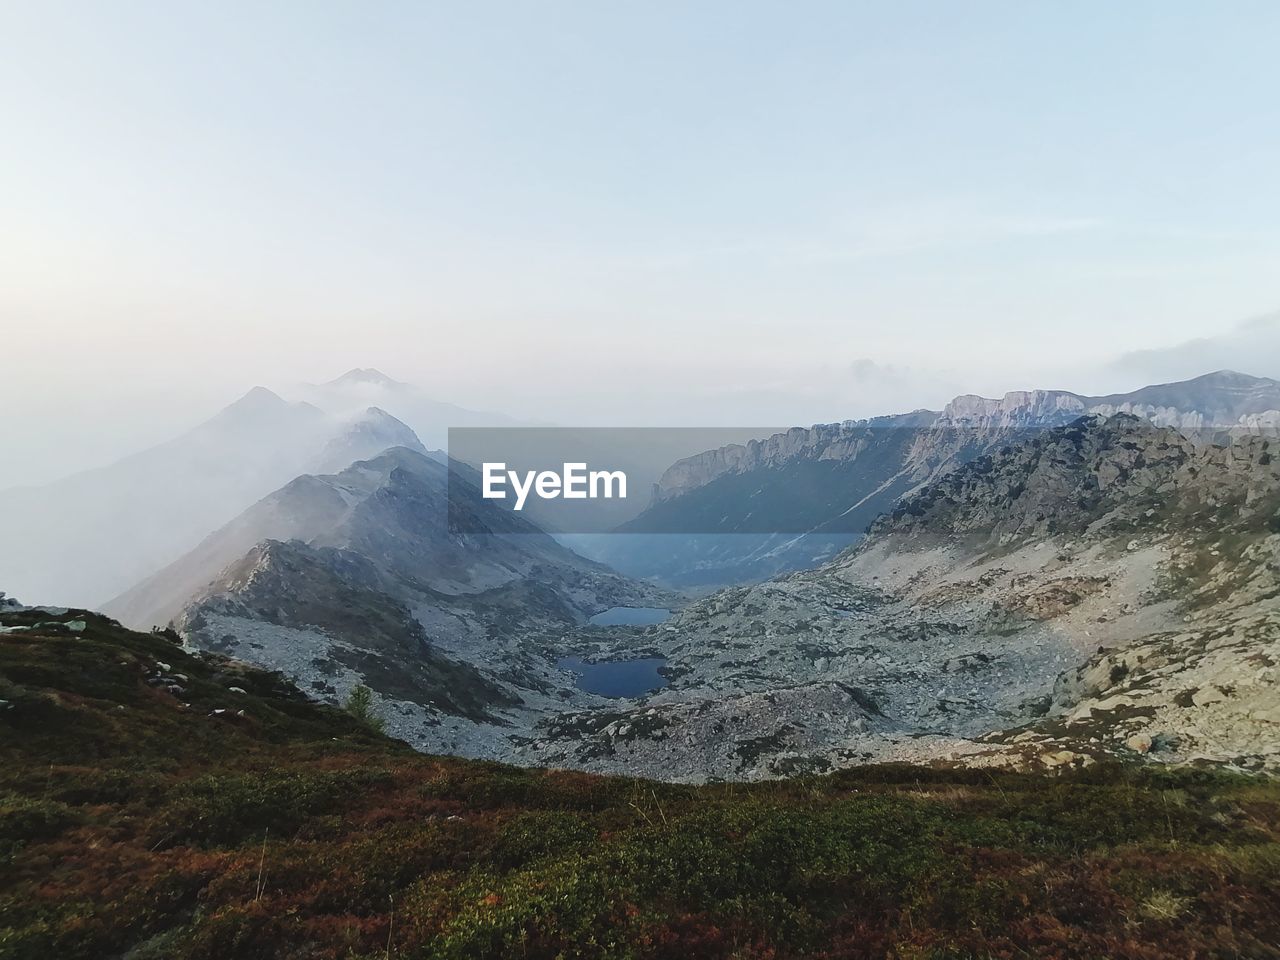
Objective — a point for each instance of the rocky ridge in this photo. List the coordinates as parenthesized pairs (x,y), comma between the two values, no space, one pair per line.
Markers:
(734,514)
(1222,399)
(358,579)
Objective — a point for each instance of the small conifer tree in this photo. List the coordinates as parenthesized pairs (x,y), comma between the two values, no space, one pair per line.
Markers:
(360,705)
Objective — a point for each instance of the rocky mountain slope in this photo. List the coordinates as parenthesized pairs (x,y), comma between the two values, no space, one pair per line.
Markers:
(88,537)
(394,507)
(156,802)
(745,511)
(1110,588)
(358,578)
(1105,589)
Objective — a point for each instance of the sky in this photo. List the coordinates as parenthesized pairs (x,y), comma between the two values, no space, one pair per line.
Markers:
(621,212)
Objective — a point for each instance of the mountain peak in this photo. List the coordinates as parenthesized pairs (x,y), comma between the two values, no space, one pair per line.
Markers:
(254,406)
(1230,378)
(258,398)
(365,375)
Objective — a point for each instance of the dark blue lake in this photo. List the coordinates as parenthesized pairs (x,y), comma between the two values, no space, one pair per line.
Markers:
(617,678)
(630,617)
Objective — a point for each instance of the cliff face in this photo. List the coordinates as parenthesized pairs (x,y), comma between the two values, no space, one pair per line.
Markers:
(788,501)
(825,441)
(1017,408)
(1222,399)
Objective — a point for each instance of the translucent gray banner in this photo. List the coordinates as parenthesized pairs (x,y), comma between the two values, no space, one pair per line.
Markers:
(828,480)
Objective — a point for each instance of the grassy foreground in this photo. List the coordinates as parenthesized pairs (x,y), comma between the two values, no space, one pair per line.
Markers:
(134,826)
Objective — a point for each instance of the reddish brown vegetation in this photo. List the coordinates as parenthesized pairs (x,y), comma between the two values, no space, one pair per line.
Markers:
(158,830)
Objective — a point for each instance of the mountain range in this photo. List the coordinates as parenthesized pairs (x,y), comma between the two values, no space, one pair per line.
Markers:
(748,511)
(361,578)
(1017,547)
(92,535)
(429,417)
(1104,589)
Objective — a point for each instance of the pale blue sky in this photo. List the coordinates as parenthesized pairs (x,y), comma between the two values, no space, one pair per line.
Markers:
(785,210)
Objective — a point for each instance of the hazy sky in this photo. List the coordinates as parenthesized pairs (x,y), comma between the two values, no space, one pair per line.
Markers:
(783,211)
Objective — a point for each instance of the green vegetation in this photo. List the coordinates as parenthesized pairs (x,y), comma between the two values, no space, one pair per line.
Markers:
(360,705)
(139,822)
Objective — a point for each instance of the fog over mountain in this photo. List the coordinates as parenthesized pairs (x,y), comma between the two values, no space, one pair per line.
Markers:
(96,533)
(395,509)
(66,430)
(89,536)
(1251,345)
(429,417)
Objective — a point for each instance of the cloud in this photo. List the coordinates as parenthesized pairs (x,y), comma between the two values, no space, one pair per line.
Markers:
(1252,347)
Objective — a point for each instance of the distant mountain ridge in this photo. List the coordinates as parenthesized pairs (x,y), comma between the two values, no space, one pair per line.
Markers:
(1095,477)
(1215,399)
(747,511)
(1221,399)
(89,536)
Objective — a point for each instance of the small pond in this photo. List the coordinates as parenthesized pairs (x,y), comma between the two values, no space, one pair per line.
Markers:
(630,617)
(617,678)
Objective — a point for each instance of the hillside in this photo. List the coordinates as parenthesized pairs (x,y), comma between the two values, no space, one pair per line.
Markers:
(359,578)
(1104,589)
(155,804)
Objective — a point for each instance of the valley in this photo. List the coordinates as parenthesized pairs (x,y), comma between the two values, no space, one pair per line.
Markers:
(1035,590)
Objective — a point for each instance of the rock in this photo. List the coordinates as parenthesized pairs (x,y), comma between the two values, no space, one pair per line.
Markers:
(1207,695)
(76,626)
(1059,758)
(1270,715)
(236,690)
(1139,742)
